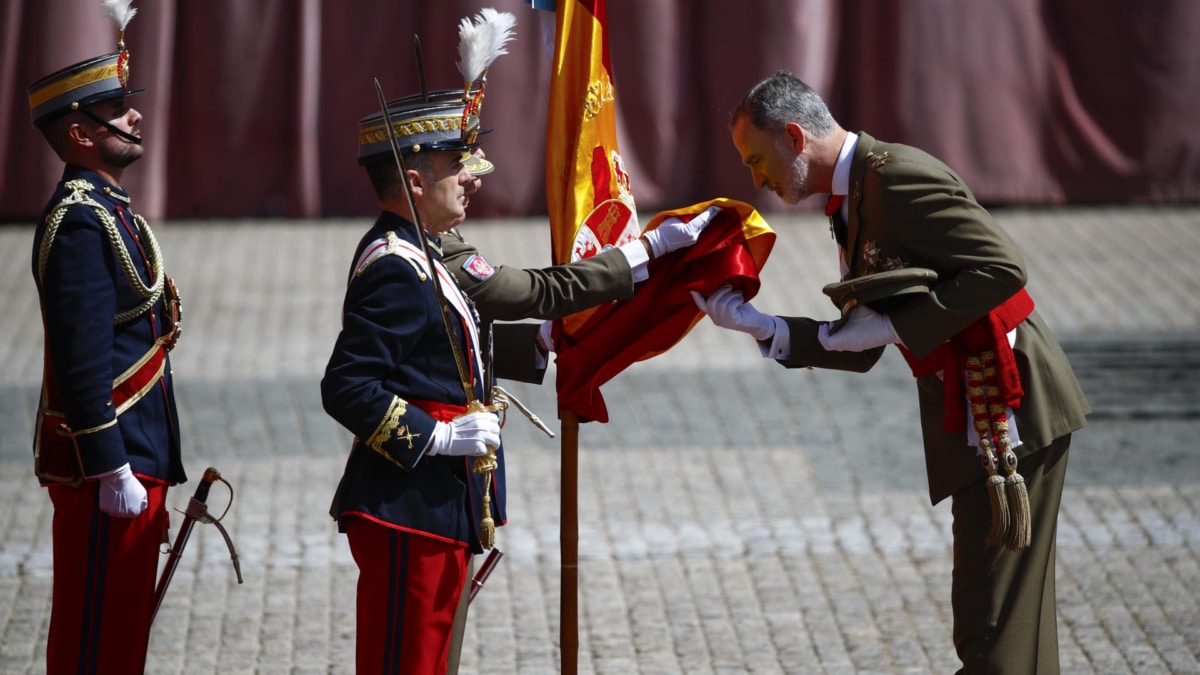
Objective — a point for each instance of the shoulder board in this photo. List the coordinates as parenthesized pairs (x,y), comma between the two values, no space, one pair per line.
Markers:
(390,244)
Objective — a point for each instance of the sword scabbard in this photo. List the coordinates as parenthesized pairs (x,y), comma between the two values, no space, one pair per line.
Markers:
(197,510)
(485,571)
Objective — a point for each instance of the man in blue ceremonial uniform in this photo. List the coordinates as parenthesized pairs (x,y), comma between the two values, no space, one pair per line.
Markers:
(409,501)
(106,443)
(394,384)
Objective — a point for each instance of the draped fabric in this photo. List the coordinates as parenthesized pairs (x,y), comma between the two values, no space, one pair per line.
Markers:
(591,207)
(732,249)
(252,105)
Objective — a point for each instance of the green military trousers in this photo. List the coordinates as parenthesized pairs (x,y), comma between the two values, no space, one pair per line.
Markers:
(1005,620)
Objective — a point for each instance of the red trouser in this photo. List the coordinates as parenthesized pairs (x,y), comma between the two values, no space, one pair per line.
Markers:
(104,571)
(408,589)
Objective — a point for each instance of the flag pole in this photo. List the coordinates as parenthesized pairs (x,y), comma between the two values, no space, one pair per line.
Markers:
(569,546)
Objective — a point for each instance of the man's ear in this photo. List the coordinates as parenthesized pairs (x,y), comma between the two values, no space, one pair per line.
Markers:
(80,135)
(415,181)
(795,136)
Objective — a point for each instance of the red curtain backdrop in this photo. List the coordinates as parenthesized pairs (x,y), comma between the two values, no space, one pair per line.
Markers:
(251,106)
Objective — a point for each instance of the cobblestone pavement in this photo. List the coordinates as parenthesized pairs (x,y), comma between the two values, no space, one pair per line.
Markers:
(734,516)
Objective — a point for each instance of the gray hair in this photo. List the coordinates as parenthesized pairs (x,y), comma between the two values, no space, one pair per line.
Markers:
(781,99)
(385,175)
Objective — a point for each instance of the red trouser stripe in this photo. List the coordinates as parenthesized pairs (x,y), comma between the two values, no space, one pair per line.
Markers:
(408,590)
(104,571)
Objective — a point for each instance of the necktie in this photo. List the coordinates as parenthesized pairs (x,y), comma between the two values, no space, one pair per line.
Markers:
(837,224)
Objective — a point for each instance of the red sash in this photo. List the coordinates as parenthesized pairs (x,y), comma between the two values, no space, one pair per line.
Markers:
(442,412)
(988,333)
(56,456)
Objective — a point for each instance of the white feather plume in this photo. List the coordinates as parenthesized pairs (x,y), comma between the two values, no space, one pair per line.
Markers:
(482,40)
(121,12)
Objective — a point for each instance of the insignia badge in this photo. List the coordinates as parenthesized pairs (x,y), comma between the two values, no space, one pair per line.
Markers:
(875,261)
(877,161)
(403,434)
(123,69)
(870,255)
(478,268)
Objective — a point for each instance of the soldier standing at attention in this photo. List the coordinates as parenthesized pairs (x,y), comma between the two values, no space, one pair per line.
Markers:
(106,444)
(409,501)
(500,292)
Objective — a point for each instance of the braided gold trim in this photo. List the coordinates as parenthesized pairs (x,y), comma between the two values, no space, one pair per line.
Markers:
(390,427)
(77,80)
(78,195)
(378,133)
(90,430)
(137,396)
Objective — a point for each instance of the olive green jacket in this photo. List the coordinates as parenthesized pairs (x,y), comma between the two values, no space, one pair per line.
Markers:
(505,293)
(514,293)
(908,209)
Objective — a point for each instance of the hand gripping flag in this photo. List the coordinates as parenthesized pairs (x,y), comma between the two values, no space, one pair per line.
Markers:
(732,249)
(591,208)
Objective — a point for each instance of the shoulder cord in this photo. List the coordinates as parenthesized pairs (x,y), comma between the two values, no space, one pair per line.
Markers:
(79,189)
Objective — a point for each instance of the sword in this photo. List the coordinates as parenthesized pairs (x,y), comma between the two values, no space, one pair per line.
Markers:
(197,510)
(484,571)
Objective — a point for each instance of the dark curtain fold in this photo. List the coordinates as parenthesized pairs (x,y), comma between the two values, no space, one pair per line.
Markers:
(251,106)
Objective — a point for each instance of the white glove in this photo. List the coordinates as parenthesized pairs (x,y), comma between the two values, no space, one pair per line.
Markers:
(468,435)
(545,337)
(728,309)
(673,234)
(122,495)
(865,329)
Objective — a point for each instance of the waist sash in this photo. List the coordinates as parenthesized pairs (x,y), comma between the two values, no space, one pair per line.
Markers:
(989,333)
(55,452)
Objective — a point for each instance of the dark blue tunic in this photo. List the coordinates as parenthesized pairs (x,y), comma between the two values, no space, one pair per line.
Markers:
(83,288)
(391,363)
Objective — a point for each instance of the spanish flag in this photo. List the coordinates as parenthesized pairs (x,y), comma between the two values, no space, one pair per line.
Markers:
(588,196)
(591,207)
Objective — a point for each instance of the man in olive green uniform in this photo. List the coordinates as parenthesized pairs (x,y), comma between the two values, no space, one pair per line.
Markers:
(894,207)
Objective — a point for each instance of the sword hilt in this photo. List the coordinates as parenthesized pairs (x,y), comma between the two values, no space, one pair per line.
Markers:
(210,476)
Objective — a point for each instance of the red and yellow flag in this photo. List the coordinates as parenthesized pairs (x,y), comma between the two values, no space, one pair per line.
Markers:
(587,188)
(591,207)
(732,249)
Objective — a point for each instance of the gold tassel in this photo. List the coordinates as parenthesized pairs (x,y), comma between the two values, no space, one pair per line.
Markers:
(486,465)
(1014,486)
(995,482)
(1001,522)
(1018,497)
(487,526)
